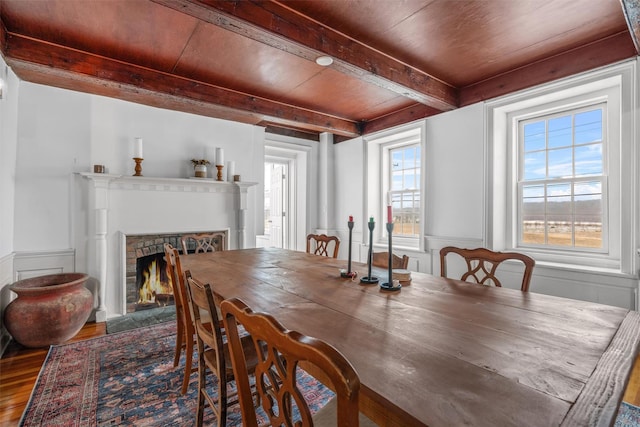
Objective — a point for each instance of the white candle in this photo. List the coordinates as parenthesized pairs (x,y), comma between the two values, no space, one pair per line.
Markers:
(137,149)
(231,170)
(219,157)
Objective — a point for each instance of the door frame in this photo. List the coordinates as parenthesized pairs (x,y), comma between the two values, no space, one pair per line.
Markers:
(297,158)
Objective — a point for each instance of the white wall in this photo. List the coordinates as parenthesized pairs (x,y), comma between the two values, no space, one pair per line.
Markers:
(349,196)
(8,146)
(456,195)
(60,132)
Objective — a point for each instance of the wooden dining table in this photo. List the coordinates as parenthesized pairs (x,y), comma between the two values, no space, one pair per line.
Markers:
(442,352)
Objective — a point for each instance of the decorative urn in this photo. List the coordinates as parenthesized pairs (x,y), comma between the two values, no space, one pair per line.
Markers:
(50,309)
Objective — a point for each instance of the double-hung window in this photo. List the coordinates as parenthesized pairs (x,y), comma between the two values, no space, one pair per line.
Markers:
(561,162)
(404,189)
(562,186)
(395,162)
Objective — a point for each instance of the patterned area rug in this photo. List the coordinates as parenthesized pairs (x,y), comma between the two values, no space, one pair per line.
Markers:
(628,416)
(125,378)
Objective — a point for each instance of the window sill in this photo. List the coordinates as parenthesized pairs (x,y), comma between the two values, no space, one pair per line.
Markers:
(400,248)
(585,269)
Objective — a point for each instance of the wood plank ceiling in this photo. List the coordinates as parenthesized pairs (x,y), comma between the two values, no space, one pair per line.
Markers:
(394,61)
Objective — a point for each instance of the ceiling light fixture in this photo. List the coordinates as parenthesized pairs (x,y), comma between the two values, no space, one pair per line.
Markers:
(325,61)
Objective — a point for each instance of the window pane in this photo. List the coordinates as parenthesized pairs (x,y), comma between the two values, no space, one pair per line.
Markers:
(588,160)
(535,166)
(396,160)
(396,180)
(589,214)
(560,163)
(533,216)
(410,179)
(405,189)
(588,126)
(560,132)
(534,136)
(559,231)
(409,158)
(529,191)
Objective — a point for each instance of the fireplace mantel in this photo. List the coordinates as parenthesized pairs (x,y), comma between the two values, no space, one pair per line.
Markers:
(102,185)
(125,182)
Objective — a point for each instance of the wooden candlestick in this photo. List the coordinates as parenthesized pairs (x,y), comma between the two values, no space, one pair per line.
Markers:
(138,169)
(219,167)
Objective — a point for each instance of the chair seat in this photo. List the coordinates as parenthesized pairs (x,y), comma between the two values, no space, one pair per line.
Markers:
(326,416)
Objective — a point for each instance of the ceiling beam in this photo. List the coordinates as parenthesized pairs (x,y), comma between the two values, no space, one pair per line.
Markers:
(42,62)
(631,9)
(401,117)
(588,57)
(275,25)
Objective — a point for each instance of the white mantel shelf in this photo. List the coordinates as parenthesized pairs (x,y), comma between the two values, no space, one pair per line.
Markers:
(145,183)
(104,184)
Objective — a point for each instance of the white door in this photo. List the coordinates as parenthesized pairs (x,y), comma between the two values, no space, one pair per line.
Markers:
(277,225)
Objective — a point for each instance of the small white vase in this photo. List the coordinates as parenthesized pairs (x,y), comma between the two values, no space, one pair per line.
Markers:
(201,171)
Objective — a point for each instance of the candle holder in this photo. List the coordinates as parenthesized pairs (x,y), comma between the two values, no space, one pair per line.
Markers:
(138,168)
(389,285)
(219,167)
(369,279)
(349,273)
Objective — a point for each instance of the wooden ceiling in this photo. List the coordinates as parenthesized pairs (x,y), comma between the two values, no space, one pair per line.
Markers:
(395,61)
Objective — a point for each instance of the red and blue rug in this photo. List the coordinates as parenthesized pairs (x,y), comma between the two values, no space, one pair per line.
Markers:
(125,378)
(628,416)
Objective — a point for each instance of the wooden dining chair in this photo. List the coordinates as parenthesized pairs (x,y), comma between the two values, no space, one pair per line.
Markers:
(185,330)
(280,354)
(202,242)
(381,259)
(482,264)
(320,244)
(213,351)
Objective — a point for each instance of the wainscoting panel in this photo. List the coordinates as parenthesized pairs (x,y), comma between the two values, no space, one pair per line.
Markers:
(33,264)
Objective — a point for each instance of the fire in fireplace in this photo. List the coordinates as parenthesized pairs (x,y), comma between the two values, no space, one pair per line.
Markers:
(143,259)
(153,282)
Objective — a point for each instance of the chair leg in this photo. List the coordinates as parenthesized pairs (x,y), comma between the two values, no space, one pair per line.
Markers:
(188,363)
(222,401)
(179,342)
(201,391)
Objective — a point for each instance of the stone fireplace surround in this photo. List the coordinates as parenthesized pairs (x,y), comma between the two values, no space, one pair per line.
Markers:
(120,206)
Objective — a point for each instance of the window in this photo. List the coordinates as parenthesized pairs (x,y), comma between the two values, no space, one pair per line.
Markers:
(561,180)
(395,173)
(404,189)
(561,172)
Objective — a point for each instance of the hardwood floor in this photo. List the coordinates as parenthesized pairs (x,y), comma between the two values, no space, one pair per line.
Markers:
(19,368)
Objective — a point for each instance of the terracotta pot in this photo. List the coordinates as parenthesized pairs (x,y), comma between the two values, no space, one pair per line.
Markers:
(49,309)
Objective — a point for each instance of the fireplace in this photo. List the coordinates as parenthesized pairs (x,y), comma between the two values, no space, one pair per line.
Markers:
(153,282)
(147,280)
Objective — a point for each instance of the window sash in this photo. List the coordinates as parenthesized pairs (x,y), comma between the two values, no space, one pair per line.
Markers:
(550,219)
(404,189)
(564,220)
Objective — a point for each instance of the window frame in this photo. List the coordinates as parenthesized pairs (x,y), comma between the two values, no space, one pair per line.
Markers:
(377,182)
(413,191)
(613,83)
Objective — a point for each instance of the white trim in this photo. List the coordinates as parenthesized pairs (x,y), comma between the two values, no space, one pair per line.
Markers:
(620,77)
(375,182)
(298,154)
